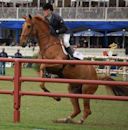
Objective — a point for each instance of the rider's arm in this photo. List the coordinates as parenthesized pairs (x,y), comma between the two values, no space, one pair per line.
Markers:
(62,27)
(58,24)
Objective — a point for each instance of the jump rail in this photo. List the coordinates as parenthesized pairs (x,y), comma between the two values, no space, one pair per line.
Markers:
(18,79)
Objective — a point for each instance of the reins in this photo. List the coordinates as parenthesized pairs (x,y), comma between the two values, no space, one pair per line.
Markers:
(48,44)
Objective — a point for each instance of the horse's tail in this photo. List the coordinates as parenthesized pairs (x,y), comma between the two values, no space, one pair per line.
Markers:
(116,90)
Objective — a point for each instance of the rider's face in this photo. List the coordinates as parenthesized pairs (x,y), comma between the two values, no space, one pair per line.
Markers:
(47,13)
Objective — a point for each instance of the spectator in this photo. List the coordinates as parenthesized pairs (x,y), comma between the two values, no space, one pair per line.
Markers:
(2,64)
(83,42)
(18,54)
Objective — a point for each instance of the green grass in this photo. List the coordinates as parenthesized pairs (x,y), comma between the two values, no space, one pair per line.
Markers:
(37,113)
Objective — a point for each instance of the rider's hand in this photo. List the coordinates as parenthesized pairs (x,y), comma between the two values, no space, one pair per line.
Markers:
(57,31)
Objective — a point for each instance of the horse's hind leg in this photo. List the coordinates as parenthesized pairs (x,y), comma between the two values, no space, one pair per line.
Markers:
(76,110)
(86,103)
(75,104)
(87,89)
(86,111)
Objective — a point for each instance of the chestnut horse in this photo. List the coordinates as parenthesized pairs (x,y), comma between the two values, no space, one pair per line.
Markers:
(51,48)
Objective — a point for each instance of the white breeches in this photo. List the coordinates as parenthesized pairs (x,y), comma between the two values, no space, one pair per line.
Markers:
(66,38)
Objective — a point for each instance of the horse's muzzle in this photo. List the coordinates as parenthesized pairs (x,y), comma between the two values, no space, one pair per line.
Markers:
(23,45)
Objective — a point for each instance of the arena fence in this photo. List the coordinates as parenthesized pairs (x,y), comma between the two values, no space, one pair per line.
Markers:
(18,79)
(109,70)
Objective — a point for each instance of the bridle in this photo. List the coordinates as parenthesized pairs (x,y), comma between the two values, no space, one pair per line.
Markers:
(30,34)
(42,36)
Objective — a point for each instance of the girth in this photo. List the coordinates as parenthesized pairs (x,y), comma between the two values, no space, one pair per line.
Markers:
(56,71)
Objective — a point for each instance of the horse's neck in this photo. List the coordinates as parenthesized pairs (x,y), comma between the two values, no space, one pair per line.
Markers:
(41,34)
(48,43)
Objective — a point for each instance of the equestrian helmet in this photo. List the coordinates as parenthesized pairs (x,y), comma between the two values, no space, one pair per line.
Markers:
(47,6)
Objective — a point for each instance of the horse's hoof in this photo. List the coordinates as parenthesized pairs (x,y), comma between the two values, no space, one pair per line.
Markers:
(64,120)
(57,99)
(61,121)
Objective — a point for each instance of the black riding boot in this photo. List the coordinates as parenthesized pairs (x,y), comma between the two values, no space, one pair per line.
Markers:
(70,53)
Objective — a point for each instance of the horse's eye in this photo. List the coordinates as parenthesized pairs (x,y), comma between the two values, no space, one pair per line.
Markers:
(29,26)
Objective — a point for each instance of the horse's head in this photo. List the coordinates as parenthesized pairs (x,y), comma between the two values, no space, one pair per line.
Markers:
(28,30)
(32,27)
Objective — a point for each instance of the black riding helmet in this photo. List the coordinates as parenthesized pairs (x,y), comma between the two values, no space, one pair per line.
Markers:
(47,6)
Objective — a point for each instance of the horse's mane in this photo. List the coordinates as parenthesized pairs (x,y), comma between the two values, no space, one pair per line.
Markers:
(41,19)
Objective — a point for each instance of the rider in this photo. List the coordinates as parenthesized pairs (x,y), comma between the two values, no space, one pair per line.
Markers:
(58,27)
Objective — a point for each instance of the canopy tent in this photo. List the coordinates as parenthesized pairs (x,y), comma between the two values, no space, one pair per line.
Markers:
(89,33)
(122,34)
(118,33)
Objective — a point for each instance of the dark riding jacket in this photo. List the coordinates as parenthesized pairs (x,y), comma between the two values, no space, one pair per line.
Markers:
(18,55)
(57,24)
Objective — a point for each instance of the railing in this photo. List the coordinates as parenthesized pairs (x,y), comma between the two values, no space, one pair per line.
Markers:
(18,79)
(101,13)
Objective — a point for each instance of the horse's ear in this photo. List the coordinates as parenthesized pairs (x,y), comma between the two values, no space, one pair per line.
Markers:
(30,17)
(24,17)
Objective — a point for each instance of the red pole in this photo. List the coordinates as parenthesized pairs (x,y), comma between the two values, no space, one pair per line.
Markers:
(17,88)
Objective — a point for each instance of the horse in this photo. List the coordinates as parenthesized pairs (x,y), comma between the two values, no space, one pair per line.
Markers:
(51,48)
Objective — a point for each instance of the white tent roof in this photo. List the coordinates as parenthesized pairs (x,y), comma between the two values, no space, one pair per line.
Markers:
(17,1)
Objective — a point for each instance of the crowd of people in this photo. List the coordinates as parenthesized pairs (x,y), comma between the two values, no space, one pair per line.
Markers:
(4,54)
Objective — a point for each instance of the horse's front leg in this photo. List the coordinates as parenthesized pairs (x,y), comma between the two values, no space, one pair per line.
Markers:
(42,84)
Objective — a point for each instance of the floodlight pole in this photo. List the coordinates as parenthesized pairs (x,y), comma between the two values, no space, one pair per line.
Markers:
(38,4)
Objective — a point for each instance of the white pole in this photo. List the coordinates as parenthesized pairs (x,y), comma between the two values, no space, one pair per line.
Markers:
(38,4)
(90,2)
(56,3)
(107,3)
(81,2)
(126,3)
(117,3)
(27,7)
(71,3)
(63,3)
(98,3)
